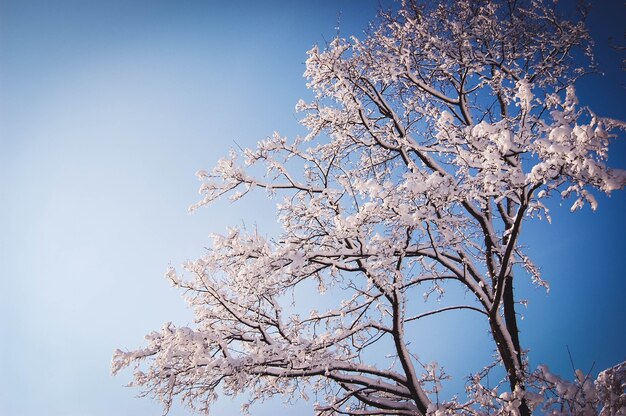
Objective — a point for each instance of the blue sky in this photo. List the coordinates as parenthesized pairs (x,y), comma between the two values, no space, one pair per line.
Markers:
(106,111)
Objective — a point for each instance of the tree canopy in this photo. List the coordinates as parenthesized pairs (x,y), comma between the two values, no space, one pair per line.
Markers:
(430,142)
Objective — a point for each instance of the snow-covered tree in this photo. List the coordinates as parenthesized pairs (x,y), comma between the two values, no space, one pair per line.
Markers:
(430,142)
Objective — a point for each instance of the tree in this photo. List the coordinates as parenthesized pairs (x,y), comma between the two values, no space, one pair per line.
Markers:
(430,143)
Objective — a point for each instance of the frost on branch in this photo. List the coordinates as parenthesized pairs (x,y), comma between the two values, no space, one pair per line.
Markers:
(430,142)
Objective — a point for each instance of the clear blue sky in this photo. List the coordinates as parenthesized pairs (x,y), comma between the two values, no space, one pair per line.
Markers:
(108,108)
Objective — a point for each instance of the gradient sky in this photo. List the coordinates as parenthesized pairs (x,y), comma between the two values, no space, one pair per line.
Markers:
(106,111)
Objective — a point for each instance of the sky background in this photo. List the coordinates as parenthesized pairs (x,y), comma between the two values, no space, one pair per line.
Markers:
(106,111)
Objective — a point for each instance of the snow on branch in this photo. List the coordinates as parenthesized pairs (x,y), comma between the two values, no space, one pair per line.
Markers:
(430,143)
